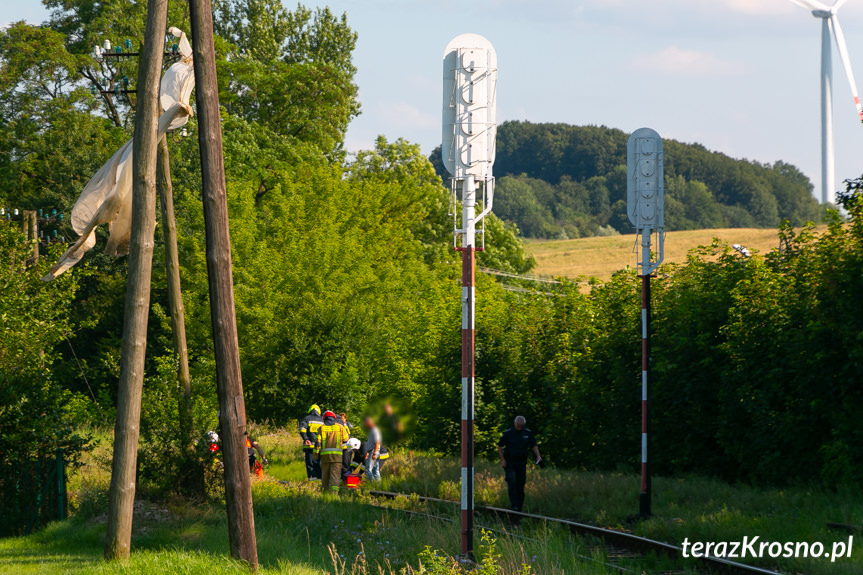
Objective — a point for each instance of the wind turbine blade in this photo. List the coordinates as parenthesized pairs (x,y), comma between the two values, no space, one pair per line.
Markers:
(838,5)
(812,5)
(846,62)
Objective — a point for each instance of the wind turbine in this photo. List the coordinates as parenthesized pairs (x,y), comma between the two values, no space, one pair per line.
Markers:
(830,25)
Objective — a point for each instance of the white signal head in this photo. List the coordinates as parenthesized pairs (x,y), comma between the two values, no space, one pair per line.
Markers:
(469,106)
(644,182)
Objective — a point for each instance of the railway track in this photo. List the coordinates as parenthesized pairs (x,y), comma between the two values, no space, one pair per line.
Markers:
(618,542)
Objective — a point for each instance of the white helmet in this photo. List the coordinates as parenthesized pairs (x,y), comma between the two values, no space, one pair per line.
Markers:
(353,443)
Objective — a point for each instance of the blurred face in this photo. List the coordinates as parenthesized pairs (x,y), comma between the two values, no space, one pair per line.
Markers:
(519,423)
(369,423)
(388,409)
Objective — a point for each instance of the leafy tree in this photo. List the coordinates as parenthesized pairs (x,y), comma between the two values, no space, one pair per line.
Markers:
(516,201)
(86,24)
(51,139)
(504,248)
(417,194)
(289,71)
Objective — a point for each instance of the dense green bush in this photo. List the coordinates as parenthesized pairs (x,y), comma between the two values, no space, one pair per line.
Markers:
(756,365)
(35,416)
(173,456)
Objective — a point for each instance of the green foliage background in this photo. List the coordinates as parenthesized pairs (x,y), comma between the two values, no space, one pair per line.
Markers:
(347,285)
(37,415)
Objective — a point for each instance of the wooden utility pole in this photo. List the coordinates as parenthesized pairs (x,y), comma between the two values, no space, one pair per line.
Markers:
(121,497)
(238,493)
(175,293)
(30,228)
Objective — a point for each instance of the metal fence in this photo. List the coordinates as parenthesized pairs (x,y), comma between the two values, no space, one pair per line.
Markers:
(32,494)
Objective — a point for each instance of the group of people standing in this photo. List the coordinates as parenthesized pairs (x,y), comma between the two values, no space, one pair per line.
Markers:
(331,454)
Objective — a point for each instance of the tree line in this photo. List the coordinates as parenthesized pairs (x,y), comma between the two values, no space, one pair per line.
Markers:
(560,181)
(755,365)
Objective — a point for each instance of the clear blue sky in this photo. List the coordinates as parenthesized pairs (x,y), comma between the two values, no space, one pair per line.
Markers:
(739,76)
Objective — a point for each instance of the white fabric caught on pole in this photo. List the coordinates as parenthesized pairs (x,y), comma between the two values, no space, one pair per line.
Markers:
(179,81)
(107,197)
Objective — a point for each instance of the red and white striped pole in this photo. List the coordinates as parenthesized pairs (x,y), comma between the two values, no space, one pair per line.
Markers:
(644,206)
(467,151)
(468,300)
(645,494)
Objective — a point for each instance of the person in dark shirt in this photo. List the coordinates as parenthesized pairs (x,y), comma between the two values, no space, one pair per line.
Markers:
(516,445)
(391,425)
(309,427)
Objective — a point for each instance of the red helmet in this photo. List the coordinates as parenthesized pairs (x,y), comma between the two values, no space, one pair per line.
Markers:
(329,414)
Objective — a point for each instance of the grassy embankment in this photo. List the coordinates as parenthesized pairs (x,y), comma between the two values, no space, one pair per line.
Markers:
(600,257)
(299,532)
(295,525)
(700,509)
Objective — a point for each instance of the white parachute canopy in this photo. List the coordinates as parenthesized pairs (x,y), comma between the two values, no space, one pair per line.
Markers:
(179,80)
(107,197)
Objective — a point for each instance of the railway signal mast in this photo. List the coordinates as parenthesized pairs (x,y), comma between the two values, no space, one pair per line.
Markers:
(468,147)
(644,206)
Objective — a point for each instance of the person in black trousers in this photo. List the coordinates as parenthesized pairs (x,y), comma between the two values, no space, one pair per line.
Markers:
(309,427)
(514,448)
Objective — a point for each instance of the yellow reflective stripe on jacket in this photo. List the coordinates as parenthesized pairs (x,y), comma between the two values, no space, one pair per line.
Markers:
(331,438)
(312,426)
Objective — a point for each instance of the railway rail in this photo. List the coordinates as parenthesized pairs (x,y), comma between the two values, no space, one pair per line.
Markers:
(616,540)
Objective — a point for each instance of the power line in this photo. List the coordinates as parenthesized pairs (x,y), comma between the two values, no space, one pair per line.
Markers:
(504,274)
(84,375)
(518,289)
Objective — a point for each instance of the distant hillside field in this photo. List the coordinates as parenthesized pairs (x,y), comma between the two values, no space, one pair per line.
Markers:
(600,257)
(556,181)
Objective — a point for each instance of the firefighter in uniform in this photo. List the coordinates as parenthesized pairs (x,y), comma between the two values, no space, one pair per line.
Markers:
(514,449)
(252,446)
(329,446)
(355,458)
(349,455)
(308,432)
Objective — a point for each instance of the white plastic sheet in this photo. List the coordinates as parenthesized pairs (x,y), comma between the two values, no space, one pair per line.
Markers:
(107,197)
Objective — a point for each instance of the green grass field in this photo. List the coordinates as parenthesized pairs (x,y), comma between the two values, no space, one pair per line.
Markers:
(600,257)
(301,532)
(697,508)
